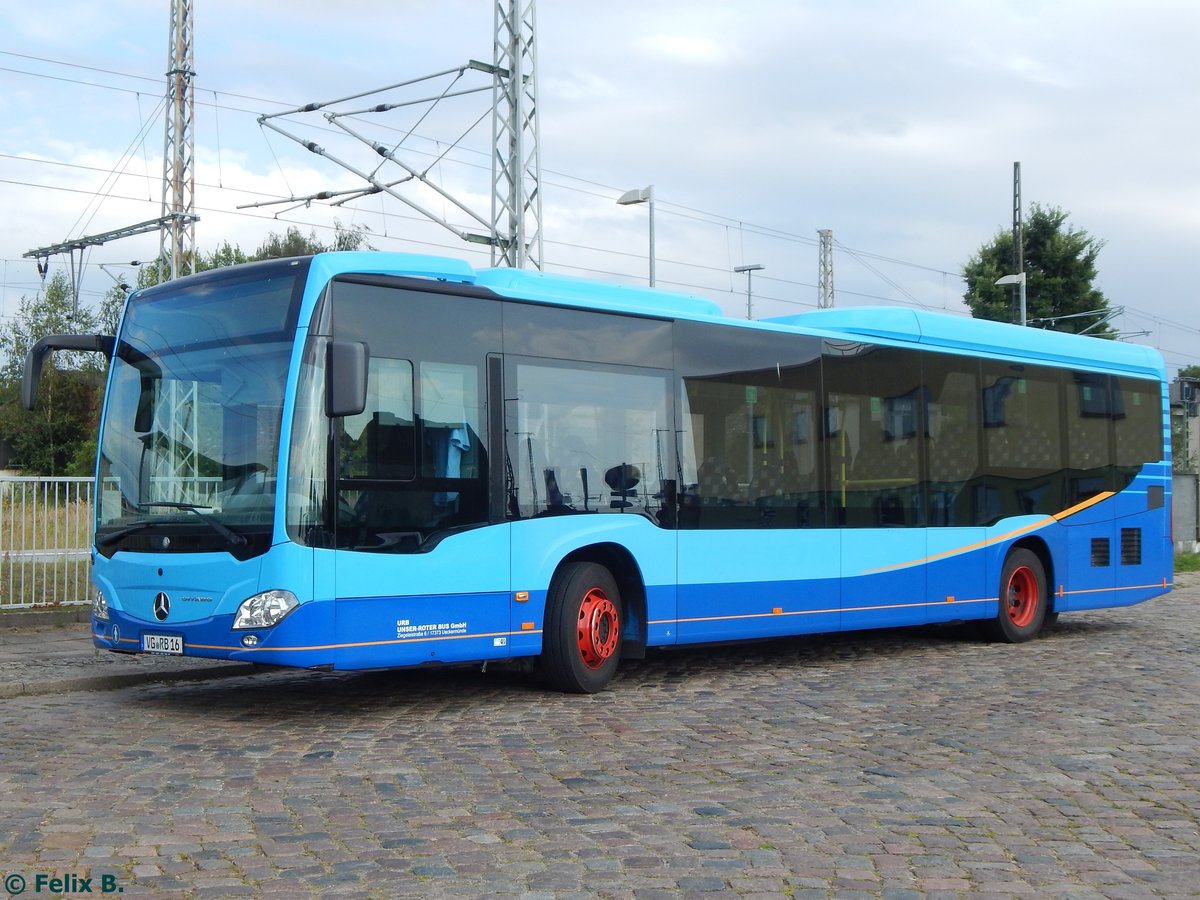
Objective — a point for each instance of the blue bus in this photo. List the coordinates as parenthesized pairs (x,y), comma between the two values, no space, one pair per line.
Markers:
(374,460)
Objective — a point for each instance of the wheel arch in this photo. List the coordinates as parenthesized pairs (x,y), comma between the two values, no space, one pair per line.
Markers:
(628,575)
(1039,548)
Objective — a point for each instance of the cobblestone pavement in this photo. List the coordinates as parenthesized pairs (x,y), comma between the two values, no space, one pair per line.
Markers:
(46,658)
(903,764)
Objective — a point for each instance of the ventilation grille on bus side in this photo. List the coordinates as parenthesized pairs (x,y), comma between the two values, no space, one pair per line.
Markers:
(1131,546)
(1101,552)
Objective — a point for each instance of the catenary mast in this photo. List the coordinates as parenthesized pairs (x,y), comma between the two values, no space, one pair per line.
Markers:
(177,236)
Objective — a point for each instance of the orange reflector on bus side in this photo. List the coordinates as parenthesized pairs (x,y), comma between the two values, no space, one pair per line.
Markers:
(778,610)
(522,596)
(527,626)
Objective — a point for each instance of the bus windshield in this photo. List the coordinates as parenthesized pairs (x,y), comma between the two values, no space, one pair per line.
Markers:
(190,437)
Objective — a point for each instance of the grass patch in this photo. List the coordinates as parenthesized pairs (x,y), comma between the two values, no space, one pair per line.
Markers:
(1187,562)
(35,524)
(45,582)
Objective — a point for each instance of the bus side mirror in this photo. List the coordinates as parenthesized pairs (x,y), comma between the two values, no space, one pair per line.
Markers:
(97,343)
(345,378)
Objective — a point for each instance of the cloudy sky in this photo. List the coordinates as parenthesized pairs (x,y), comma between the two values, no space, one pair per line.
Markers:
(895,124)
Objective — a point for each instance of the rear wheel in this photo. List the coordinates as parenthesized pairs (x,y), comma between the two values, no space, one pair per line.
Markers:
(582,638)
(1023,598)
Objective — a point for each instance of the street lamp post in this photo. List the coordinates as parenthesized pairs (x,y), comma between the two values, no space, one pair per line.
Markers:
(1018,279)
(643,195)
(753,267)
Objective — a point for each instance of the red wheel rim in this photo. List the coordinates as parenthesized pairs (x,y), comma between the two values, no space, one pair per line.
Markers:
(598,629)
(1022,600)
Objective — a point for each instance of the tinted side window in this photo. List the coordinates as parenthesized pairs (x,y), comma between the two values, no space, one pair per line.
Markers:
(875,429)
(1023,442)
(1138,419)
(380,442)
(953,437)
(750,437)
(1090,409)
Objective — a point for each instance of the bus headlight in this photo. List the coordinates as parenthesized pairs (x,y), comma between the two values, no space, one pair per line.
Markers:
(265,610)
(100,606)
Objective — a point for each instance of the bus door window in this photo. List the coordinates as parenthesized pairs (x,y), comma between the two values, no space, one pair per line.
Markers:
(586,439)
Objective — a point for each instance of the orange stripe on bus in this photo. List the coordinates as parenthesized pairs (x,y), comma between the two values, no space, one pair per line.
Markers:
(1057,517)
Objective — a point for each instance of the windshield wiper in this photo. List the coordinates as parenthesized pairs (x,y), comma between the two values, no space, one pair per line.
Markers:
(220,528)
(115,536)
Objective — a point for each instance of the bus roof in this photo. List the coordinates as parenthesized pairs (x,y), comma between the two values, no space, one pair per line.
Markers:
(526,285)
(519,284)
(978,337)
(889,325)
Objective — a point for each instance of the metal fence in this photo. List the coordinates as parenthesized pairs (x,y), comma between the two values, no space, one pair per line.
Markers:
(45,536)
(46,533)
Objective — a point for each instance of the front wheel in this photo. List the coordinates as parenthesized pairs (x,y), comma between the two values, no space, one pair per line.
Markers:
(1023,599)
(582,638)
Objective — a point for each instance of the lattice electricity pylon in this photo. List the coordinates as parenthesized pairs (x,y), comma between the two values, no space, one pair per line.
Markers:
(825,270)
(177,238)
(513,229)
(516,154)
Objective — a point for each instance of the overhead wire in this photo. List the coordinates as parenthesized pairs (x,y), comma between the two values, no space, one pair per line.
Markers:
(602,190)
(114,174)
(586,187)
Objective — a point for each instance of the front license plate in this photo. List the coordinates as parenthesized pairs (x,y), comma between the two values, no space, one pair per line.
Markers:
(171,644)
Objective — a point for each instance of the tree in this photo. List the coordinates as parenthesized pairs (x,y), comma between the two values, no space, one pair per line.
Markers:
(274,246)
(1060,268)
(57,438)
(293,243)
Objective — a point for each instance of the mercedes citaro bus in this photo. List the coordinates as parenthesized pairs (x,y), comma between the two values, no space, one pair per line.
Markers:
(375,460)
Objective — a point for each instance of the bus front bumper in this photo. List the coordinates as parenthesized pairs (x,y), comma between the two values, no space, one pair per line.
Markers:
(289,643)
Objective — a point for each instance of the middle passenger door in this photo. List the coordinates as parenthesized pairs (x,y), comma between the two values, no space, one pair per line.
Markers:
(590,462)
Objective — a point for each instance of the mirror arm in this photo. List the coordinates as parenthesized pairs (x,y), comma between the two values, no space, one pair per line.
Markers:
(93,343)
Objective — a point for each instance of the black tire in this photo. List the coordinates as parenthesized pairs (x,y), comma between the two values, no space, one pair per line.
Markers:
(1024,600)
(581,641)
